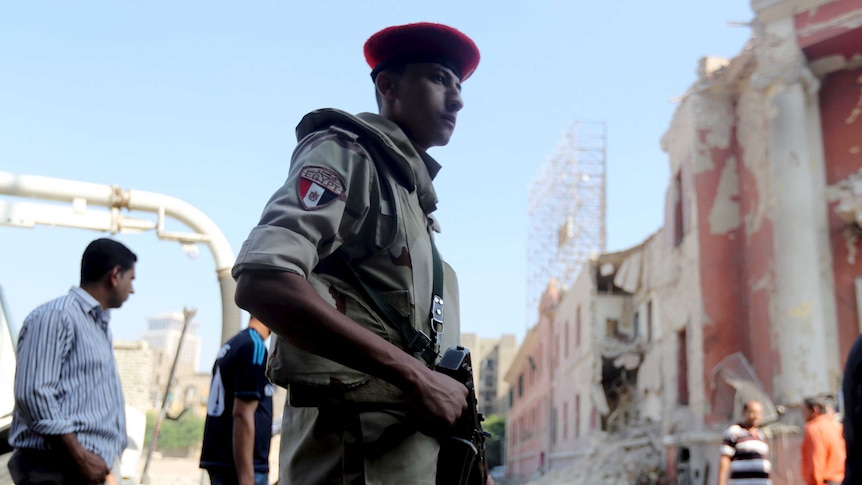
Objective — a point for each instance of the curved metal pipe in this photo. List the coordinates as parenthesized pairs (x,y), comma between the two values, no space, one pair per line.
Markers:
(117,198)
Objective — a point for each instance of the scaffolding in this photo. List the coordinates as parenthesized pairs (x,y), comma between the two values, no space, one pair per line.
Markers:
(566,212)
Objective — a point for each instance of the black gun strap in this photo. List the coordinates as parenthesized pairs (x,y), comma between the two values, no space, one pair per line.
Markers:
(436,317)
(416,341)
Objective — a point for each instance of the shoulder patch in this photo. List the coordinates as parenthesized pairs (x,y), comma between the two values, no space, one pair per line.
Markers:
(318,187)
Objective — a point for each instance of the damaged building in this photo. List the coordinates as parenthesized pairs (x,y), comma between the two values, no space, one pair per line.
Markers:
(752,288)
(579,392)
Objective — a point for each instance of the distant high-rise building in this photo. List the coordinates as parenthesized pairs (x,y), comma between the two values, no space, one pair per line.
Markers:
(491,357)
(163,335)
(189,387)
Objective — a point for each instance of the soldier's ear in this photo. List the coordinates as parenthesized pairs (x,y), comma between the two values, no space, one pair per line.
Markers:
(386,84)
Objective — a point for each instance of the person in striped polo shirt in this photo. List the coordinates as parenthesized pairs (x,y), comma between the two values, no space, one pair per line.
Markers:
(69,423)
(744,451)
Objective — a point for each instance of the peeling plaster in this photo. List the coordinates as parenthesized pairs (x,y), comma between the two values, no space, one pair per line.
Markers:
(780,62)
(802,310)
(856,110)
(855,149)
(714,119)
(850,20)
(851,238)
(753,136)
(724,214)
(676,142)
(848,194)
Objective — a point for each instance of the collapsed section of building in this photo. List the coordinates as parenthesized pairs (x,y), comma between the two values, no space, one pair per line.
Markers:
(752,288)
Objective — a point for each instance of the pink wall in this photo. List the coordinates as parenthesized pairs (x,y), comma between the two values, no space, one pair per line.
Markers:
(529,418)
(820,35)
(840,94)
(721,259)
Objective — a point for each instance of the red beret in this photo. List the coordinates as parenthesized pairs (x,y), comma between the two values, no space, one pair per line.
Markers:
(422,42)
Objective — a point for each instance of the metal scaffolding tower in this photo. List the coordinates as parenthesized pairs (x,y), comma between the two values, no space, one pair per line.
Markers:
(566,212)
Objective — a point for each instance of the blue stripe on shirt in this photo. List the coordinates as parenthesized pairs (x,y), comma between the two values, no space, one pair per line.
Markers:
(259,348)
(66,380)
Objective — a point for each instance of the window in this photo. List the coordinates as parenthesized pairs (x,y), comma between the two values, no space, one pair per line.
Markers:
(553,426)
(649,321)
(678,215)
(565,421)
(520,385)
(557,353)
(682,368)
(578,327)
(636,323)
(612,327)
(566,339)
(577,415)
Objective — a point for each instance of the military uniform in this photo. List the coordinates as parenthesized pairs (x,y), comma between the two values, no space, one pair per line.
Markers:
(358,187)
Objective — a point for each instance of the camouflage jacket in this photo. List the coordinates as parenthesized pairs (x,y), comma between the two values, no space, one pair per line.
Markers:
(358,184)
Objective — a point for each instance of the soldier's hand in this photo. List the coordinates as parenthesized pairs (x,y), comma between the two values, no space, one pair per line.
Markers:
(439,400)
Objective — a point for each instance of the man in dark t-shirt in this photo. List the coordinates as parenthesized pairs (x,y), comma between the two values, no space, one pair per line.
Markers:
(239,413)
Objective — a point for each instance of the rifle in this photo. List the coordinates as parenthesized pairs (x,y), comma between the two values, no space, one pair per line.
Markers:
(462,453)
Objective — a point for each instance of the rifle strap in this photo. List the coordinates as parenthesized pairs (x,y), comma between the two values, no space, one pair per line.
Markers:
(417,342)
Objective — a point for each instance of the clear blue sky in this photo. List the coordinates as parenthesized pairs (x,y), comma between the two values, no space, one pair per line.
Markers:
(199,100)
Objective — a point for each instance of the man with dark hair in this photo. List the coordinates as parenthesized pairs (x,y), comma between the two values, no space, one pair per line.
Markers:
(744,451)
(343,268)
(69,423)
(238,427)
(823,452)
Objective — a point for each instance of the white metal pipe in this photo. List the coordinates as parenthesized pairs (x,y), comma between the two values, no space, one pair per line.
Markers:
(28,215)
(116,198)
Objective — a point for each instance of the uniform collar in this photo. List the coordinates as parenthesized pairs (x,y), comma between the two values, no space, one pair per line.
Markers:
(413,167)
(90,305)
(425,168)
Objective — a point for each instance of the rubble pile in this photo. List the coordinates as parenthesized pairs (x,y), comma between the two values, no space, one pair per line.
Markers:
(635,461)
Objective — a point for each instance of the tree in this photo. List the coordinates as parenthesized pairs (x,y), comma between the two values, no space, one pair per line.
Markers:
(496,425)
(185,433)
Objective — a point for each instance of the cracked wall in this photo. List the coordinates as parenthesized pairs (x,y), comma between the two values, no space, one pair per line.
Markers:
(840,107)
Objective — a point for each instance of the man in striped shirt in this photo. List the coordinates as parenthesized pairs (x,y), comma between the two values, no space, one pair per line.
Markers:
(69,424)
(744,451)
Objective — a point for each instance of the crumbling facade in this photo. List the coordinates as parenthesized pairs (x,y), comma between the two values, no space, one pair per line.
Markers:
(757,263)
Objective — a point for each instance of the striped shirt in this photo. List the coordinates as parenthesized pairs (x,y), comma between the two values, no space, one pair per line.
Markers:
(749,456)
(66,380)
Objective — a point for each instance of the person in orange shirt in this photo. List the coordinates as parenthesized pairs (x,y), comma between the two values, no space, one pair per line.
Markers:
(823,450)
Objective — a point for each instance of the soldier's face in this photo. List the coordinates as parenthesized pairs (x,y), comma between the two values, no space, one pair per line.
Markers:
(427,101)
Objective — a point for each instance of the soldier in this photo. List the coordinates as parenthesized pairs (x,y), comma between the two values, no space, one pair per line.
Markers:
(342,267)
